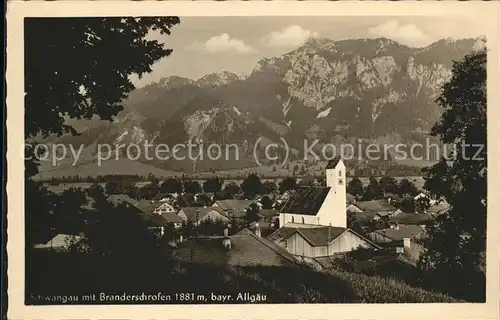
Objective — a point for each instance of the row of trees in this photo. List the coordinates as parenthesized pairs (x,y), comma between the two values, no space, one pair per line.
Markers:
(377,189)
(251,186)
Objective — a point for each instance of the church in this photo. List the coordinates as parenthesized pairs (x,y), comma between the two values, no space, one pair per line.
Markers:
(313,222)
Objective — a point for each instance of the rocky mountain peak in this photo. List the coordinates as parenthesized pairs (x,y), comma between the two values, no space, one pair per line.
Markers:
(217,79)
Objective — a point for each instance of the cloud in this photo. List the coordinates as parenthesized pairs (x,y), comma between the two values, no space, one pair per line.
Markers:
(224,43)
(408,34)
(291,36)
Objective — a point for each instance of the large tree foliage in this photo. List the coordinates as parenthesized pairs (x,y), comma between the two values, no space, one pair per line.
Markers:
(355,187)
(456,246)
(79,68)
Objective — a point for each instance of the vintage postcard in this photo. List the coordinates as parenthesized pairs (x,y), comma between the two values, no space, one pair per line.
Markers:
(258,160)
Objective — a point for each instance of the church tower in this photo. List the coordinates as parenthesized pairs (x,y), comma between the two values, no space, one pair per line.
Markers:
(335,175)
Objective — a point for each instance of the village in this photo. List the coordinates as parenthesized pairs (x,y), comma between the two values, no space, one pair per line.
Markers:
(293,225)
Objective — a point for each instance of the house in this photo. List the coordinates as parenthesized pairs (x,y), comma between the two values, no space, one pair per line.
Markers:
(380,208)
(402,237)
(420,219)
(313,222)
(319,241)
(164,197)
(233,207)
(60,243)
(286,195)
(117,199)
(157,222)
(350,199)
(196,215)
(247,249)
(269,215)
(210,196)
(323,206)
(157,215)
(392,198)
(438,208)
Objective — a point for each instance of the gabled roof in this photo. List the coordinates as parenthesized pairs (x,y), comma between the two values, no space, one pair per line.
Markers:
(320,236)
(364,216)
(235,207)
(411,218)
(306,200)
(375,206)
(350,198)
(281,234)
(60,241)
(269,213)
(243,232)
(333,163)
(438,208)
(315,235)
(147,206)
(120,198)
(162,195)
(246,250)
(402,232)
(171,217)
(192,212)
(159,220)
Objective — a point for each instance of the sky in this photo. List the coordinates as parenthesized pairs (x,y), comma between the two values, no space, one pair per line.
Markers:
(203,45)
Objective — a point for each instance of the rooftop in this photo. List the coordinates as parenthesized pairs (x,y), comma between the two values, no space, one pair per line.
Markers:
(246,250)
(306,200)
(234,206)
(60,241)
(192,212)
(412,218)
(375,206)
(402,232)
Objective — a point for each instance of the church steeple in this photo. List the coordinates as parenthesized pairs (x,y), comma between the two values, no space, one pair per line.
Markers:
(335,174)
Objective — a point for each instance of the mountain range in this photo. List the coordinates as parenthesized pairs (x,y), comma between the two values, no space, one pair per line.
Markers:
(334,91)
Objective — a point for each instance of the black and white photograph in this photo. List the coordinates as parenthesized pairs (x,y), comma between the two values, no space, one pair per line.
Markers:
(259,159)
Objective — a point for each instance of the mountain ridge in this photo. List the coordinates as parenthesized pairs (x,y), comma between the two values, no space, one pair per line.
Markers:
(355,88)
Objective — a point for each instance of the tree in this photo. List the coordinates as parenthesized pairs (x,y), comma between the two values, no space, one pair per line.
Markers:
(389,184)
(95,190)
(58,88)
(266,202)
(355,187)
(455,249)
(287,184)
(354,224)
(407,188)
(192,186)
(422,204)
(171,185)
(252,213)
(252,185)
(213,185)
(232,189)
(408,205)
(113,187)
(76,73)
(373,191)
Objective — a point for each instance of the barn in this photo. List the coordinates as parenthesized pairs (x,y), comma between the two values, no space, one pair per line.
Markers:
(319,241)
